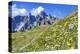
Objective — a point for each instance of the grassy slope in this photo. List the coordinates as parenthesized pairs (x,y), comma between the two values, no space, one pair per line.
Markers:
(48,37)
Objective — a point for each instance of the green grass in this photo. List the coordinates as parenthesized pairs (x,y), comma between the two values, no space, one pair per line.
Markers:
(47,37)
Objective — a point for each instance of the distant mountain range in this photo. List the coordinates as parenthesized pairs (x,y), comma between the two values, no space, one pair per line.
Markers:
(24,23)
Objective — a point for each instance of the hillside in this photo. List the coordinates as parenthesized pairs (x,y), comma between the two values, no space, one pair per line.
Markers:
(62,35)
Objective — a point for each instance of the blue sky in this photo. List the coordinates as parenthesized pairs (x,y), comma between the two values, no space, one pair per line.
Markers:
(58,10)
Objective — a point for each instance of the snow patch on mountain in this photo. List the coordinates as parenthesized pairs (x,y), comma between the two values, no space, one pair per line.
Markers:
(20,26)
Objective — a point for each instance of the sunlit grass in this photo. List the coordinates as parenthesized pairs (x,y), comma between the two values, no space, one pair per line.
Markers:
(47,37)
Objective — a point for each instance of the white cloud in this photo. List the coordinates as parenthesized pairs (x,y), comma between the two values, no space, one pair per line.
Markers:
(34,12)
(23,12)
(17,11)
(37,11)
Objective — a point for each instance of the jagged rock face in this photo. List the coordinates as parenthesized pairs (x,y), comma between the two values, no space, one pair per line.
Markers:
(16,22)
(24,23)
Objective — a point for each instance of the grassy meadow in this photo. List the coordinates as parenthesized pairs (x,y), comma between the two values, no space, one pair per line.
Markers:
(48,37)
